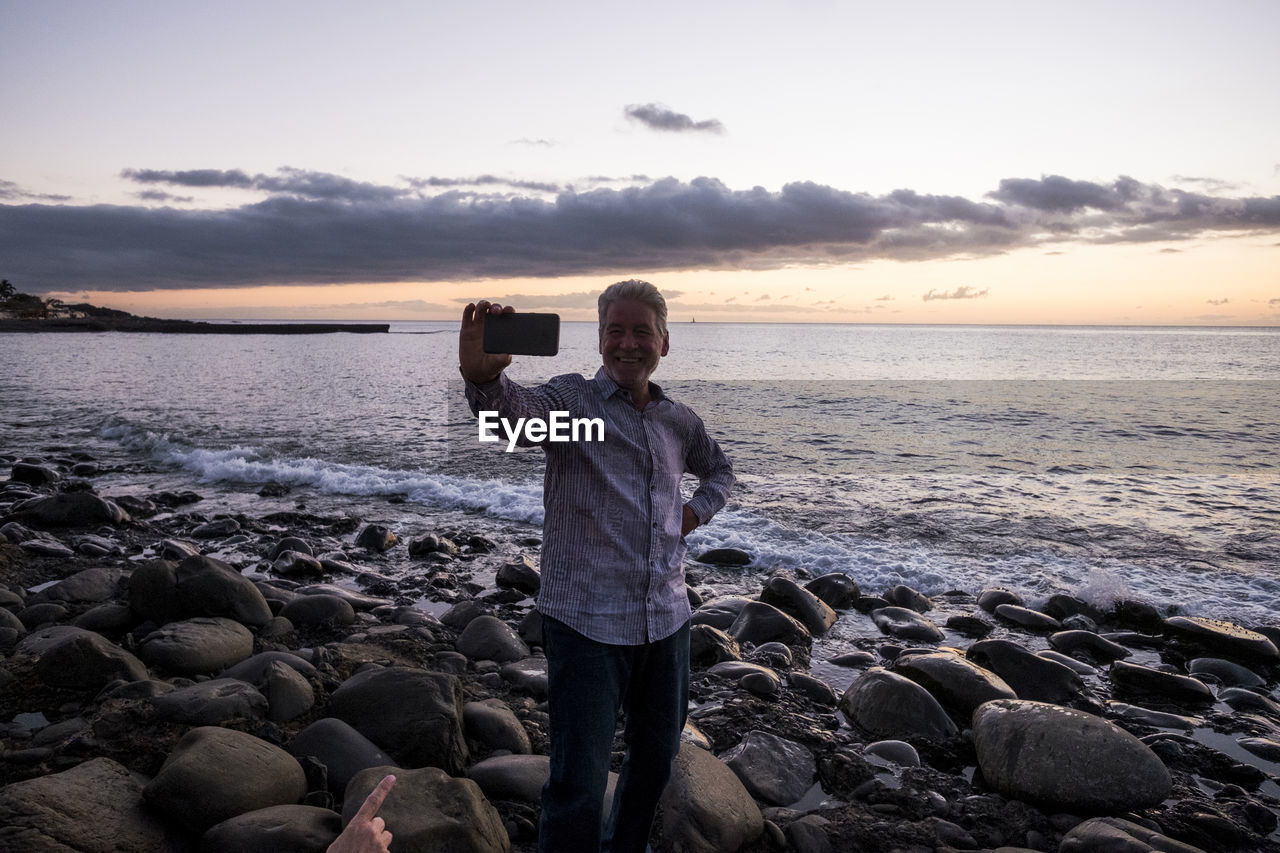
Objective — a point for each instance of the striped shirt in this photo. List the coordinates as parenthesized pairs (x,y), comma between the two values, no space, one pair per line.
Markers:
(612,553)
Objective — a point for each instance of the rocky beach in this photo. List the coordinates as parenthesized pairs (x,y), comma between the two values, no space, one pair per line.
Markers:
(183,676)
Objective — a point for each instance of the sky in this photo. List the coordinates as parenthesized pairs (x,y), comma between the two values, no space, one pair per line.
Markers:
(910,162)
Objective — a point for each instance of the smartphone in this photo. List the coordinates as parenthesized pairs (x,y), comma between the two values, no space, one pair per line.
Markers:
(522,334)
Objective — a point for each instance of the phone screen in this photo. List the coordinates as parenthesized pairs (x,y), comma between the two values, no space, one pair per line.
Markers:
(522,334)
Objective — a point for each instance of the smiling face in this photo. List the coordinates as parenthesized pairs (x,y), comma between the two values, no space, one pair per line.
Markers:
(632,345)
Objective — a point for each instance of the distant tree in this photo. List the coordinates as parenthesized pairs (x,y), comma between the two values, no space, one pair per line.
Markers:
(26,305)
(7,290)
(53,307)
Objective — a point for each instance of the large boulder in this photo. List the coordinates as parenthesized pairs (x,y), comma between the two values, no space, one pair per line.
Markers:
(798,602)
(705,808)
(1116,835)
(489,638)
(95,807)
(90,586)
(906,624)
(215,773)
(84,660)
(197,646)
(891,706)
(1031,676)
(494,724)
(275,829)
(413,714)
(520,778)
(1225,638)
(429,811)
(197,586)
(959,684)
(771,768)
(836,589)
(340,748)
(211,703)
(1065,759)
(69,509)
(760,623)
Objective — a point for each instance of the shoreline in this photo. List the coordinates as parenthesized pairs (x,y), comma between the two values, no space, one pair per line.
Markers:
(898,761)
(184,327)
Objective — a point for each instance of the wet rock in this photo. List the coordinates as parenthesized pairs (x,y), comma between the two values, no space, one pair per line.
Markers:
(295,564)
(376,537)
(289,694)
(705,808)
(319,610)
(959,684)
(1094,645)
(1065,759)
(460,615)
(1144,679)
(905,596)
(197,586)
(215,773)
(892,706)
(1247,701)
(83,660)
(1226,672)
(738,670)
(494,724)
(1262,747)
(290,543)
(969,626)
(527,676)
(109,618)
(176,550)
(814,689)
(46,548)
(725,557)
(808,835)
(1148,717)
(219,528)
(773,655)
(759,623)
(719,613)
(1063,607)
(761,684)
(906,624)
(489,638)
(1116,835)
(1031,677)
(256,668)
(86,587)
(1225,638)
(896,752)
(429,810)
(990,599)
(836,589)
(211,703)
(799,603)
(277,829)
(1032,620)
(69,509)
(45,613)
(413,714)
(430,543)
(708,646)
(519,574)
(95,807)
(33,474)
(340,748)
(197,646)
(771,768)
(357,600)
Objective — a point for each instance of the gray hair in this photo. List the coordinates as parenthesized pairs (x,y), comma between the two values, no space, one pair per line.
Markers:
(640,291)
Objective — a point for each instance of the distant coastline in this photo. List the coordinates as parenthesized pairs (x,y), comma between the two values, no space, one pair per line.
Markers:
(181,327)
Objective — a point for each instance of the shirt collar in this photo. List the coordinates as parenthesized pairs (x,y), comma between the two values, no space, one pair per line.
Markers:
(606,387)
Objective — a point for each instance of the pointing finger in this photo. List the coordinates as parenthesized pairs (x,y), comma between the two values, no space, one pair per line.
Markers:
(374,801)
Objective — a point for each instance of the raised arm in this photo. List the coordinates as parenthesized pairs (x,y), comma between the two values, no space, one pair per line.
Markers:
(478,366)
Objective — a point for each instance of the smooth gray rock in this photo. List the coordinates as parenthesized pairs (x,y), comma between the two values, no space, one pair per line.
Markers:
(813,688)
(771,768)
(990,599)
(738,670)
(33,474)
(1065,759)
(906,624)
(759,623)
(893,751)
(357,600)
(319,610)
(196,586)
(69,509)
(216,529)
(708,646)
(90,586)
(1031,676)
(340,748)
(197,646)
(1116,835)
(905,596)
(705,807)
(1144,679)
(799,603)
(289,694)
(254,669)
(836,589)
(725,557)
(527,676)
(494,724)
(95,807)
(1230,674)
(519,574)
(1225,638)
(719,613)
(276,829)
(430,810)
(44,613)
(376,537)
(892,706)
(108,618)
(211,703)
(957,683)
(489,638)
(83,660)
(215,773)
(412,714)
(295,564)
(1024,617)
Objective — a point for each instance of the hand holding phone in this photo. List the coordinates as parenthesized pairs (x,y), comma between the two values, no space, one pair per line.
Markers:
(522,334)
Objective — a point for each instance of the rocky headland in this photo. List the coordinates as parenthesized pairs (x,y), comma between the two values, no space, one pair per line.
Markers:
(177,677)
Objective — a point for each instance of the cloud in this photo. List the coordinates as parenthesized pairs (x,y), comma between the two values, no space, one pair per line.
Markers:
(9,191)
(162,196)
(318,228)
(964,291)
(1217,301)
(884,298)
(658,117)
(1170,251)
(536,143)
(1274,302)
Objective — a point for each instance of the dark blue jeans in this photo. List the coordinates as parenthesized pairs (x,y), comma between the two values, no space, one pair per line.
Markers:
(588,683)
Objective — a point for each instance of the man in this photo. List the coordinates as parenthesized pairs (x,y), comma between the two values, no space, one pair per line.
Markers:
(615,612)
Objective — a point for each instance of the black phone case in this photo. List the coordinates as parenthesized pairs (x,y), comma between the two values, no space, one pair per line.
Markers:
(522,334)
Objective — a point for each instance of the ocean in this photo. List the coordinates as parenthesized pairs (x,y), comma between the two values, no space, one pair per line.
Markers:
(1104,462)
